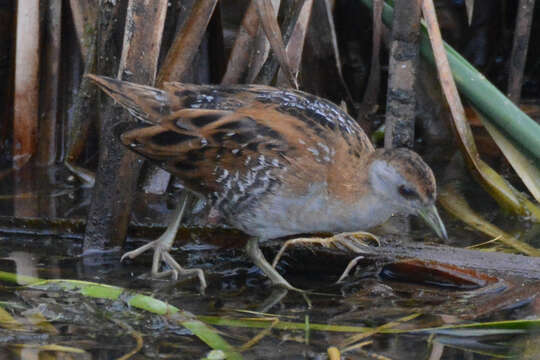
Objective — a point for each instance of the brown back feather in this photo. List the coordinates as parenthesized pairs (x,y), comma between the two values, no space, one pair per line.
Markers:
(200,128)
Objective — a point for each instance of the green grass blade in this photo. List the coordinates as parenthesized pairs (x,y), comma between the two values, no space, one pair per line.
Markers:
(207,334)
(498,109)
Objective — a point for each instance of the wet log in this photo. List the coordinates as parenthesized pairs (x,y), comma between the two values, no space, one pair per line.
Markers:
(186,42)
(520,46)
(118,169)
(401,96)
(76,126)
(259,52)
(267,73)
(251,47)
(244,44)
(84,17)
(301,258)
(308,257)
(26,99)
(6,92)
(267,14)
(47,145)
(74,228)
(295,44)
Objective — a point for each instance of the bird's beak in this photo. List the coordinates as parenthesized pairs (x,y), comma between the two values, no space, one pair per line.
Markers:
(432,218)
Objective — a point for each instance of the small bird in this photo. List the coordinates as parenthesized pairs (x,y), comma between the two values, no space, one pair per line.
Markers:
(270,162)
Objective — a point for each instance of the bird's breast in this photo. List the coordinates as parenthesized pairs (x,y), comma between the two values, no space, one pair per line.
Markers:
(281,213)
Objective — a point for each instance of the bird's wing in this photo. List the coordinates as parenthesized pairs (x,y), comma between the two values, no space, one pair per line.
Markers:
(153,105)
(206,133)
(208,148)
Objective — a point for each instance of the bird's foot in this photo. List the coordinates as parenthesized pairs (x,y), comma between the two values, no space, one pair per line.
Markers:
(163,245)
(258,258)
(351,241)
(349,267)
(161,253)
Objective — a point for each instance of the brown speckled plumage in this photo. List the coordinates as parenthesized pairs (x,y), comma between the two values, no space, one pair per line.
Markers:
(272,162)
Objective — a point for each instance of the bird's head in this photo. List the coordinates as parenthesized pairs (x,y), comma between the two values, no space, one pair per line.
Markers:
(401,177)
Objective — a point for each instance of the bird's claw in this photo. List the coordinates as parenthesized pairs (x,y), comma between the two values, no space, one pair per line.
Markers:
(349,267)
(162,254)
(351,241)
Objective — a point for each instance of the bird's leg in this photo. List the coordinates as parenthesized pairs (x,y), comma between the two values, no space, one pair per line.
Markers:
(352,241)
(255,253)
(163,245)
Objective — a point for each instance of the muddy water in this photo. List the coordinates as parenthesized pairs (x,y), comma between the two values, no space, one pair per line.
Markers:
(95,328)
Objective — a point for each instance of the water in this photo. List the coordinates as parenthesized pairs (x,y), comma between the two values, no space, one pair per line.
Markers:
(97,328)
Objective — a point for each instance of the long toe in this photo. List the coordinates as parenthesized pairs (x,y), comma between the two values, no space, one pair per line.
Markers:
(258,258)
(138,251)
(298,241)
(161,253)
(179,270)
(358,237)
(350,241)
(349,267)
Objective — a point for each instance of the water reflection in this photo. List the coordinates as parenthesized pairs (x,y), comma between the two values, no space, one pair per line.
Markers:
(237,291)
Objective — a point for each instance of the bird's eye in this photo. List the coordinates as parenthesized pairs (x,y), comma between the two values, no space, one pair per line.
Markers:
(407,192)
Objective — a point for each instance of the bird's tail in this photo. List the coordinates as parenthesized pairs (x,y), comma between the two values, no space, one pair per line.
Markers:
(144,102)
